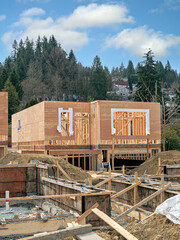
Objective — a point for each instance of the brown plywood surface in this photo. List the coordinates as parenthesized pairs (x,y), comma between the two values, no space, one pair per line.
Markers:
(3,113)
(32,124)
(51,117)
(13,180)
(105,116)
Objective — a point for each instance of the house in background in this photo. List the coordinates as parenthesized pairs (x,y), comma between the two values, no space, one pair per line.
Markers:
(121,88)
(87,134)
(3,123)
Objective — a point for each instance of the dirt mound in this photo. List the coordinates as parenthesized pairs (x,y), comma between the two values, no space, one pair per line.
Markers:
(157,227)
(74,172)
(150,166)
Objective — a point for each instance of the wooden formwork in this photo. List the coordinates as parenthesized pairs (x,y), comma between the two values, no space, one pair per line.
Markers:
(74,129)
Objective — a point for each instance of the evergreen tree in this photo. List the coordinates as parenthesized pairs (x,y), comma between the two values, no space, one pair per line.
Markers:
(14,79)
(13,100)
(3,78)
(98,82)
(149,84)
(130,73)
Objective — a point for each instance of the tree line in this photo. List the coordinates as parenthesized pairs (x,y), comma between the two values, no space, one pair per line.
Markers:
(43,70)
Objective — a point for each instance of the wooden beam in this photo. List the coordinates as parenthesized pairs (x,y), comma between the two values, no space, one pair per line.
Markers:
(114,225)
(61,234)
(104,181)
(109,182)
(115,208)
(144,201)
(55,196)
(125,190)
(86,213)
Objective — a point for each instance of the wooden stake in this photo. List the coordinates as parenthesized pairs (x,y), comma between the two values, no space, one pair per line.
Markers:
(109,182)
(136,188)
(62,170)
(163,193)
(123,170)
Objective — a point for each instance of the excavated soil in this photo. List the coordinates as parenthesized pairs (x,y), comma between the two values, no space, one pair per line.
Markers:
(157,227)
(150,166)
(74,172)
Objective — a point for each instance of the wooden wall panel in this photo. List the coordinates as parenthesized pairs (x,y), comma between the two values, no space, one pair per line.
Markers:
(51,117)
(32,124)
(105,117)
(3,113)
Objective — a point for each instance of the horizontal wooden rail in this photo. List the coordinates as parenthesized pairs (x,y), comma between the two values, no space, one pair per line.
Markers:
(104,181)
(54,196)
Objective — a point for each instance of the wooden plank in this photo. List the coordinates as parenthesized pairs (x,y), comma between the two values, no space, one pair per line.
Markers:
(89,236)
(114,225)
(115,208)
(55,196)
(125,190)
(86,213)
(104,181)
(113,153)
(144,201)
(136,188)
(61,234)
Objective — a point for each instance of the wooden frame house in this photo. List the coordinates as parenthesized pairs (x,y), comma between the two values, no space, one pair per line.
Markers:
(89,133)
(3,123)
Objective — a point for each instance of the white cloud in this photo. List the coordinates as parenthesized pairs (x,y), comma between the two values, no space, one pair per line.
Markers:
(2,17)
(95,15)
(138,40)
(64,29)
(32,12)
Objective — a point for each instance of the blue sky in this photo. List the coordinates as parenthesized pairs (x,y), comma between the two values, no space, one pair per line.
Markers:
(116,31)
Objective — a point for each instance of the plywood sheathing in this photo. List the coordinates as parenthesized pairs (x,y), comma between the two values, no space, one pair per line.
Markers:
(51,119)
(3,113)
(32,125)
(105,117)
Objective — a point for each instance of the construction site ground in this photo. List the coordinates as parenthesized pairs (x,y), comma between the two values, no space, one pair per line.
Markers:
(155,227)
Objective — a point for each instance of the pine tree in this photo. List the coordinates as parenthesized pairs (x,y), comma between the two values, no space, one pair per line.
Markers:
(14,79)
(13,100)
(130,73)
(149,84)
(98,81)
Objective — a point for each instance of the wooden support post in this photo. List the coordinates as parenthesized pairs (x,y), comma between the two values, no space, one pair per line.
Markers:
(144,201)
(84,162)
(136,188)
(79,165)
(109,183)
(114,225)
(123,170)
(159,166)
(113,153)
(90,181)
(73,159)
(163,193)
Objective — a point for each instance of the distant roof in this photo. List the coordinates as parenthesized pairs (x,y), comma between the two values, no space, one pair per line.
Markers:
(121,83)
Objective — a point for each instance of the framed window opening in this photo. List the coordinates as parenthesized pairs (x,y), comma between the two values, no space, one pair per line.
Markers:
(65,121)
(130,122)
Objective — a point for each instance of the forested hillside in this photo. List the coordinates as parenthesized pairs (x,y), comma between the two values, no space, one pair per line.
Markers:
(42,70)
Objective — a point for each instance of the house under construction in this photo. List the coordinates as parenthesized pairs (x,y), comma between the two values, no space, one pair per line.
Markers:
(87,134)
(3,123)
